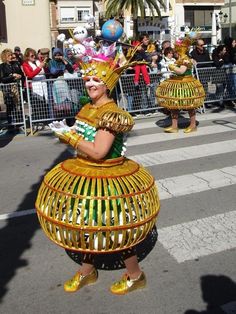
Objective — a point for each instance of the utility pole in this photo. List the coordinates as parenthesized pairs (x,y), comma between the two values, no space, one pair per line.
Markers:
(230,18)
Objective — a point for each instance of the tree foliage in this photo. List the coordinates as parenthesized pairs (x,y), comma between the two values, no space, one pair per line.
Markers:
(137,8)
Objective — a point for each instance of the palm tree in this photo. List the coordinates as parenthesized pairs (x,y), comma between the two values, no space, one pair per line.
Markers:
(115,7)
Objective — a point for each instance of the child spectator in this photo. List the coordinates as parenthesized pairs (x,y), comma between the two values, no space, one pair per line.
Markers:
(166,61)
(142,54)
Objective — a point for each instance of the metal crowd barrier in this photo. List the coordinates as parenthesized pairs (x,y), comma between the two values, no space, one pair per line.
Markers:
(219,83)
(60,98)
(12,111)
(53,99)
(141,100)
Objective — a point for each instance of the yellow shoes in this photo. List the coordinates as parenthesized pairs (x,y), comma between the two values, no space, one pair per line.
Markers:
(171,130)
(189,129)
(79,281)
(126,285)
(176,130)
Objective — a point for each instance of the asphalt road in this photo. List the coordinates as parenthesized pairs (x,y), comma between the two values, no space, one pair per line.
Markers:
(191,268)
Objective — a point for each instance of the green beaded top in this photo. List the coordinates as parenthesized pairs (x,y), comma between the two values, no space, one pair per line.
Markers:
(89,132)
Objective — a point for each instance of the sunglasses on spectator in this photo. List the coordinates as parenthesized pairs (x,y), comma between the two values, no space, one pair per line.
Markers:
(31,56)
(201,45)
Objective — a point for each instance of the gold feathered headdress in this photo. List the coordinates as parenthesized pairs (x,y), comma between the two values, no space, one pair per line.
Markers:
(108,69)
(182,45)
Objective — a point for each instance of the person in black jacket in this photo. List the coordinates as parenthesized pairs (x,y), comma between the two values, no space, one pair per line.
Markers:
(200,54)
(202,58)
(220,58)
(10,74)
(230,44)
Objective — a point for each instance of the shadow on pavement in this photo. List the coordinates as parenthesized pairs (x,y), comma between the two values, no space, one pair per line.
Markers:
(5,139)
(226,123)
(14,243)
(219,292)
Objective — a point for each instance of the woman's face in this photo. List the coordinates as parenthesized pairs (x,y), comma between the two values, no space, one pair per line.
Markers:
(31,56)
(9,57)
(223,51)
(95,87)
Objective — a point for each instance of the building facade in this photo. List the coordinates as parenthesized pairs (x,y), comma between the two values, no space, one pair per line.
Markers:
(37,23)
(68,14)
(24,23)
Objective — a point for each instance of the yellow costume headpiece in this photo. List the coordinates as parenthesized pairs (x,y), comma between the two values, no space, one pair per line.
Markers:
(182,45)
(107,69)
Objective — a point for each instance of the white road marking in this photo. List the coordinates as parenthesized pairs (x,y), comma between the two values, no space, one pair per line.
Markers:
(176,186)
(201,237)
(204,117)
(162,137)
(17,214)
(196,182)
(185,153)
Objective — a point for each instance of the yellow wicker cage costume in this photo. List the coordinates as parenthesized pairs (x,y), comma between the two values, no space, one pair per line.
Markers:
(98,206)
(181,91)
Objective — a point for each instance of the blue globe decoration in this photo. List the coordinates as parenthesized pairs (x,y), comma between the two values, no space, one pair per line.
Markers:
(112,30)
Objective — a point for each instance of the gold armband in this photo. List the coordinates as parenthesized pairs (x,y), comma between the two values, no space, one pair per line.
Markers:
(74,139)
(71,138)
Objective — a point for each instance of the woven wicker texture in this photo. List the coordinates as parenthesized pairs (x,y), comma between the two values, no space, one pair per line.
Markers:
(86,207)
(180,92)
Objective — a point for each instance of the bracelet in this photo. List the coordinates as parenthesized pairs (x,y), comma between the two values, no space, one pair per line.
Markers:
(74,140)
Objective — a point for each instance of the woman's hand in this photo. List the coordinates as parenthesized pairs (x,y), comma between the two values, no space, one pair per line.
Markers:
(16,76)
(42,64)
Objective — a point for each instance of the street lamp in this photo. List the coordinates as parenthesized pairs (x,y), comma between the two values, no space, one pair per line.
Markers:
(223,17)
(217,21)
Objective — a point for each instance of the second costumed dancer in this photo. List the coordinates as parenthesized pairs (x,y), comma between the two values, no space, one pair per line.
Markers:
(181,91)
(100,201)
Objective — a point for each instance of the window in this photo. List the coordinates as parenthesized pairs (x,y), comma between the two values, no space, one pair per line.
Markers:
(198,16)
(67,14)
(81,13)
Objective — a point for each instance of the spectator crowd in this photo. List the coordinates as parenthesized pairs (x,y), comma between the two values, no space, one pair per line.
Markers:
(38,66)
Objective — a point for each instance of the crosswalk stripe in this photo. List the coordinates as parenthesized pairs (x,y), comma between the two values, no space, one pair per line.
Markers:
(162,137)
(177,186)
(185,153)
(204,117)
(17,214)
(196,182)
(201,237)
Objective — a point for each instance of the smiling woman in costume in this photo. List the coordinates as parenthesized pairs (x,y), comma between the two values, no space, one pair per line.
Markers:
(100,201)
